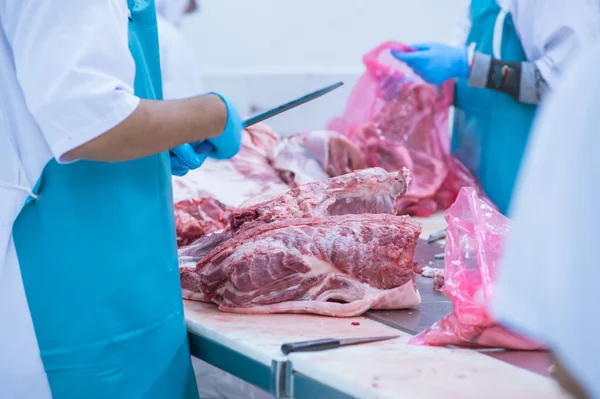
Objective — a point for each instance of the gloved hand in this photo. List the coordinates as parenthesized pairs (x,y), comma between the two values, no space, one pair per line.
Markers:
(228,143)
(435,62)
(184,158)
(225,146)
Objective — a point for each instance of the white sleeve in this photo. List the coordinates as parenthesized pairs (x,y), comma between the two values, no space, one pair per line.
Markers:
(74,67)
(547,285)
(552,32)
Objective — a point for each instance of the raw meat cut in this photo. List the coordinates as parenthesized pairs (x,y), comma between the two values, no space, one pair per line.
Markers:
(199,217)
(306,157)
(234,181)
(364,191)
(399,121)
(191,254)
(335,266)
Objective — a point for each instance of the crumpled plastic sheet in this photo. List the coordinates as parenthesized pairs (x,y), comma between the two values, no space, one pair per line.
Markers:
(474,244)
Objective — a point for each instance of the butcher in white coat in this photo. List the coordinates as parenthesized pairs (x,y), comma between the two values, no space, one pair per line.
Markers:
(90,299)
(547,287)
(511,53)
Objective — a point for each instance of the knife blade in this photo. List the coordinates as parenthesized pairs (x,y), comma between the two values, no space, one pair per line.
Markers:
(329,343)
(204,146)
(292,104)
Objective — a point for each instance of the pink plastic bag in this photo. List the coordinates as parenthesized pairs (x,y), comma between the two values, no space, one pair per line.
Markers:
(397,120)
(474,242)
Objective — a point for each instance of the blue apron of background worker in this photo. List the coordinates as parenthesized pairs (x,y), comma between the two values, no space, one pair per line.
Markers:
(517,51)
(108,318)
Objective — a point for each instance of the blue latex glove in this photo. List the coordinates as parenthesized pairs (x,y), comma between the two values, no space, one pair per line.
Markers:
(184,158)
(435,62)
(228,143)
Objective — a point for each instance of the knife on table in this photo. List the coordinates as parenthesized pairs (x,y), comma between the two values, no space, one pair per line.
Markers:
(204,146)
(328,343)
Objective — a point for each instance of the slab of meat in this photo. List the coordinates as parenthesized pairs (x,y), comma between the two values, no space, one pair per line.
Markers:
(364,191)
(306,157)
(234,181)
(199,217)
(335,266)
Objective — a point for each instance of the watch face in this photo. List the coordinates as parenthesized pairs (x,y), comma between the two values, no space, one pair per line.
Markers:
(502,75)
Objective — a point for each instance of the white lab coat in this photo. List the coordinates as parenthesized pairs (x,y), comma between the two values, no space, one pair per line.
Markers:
(67,76)
(547,286)
(551,31)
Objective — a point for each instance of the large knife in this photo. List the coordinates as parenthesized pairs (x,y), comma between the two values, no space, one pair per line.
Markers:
(328,343)
(205,146)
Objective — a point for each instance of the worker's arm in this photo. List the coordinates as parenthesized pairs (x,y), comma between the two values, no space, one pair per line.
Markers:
(76,75)
(521,80)
(550,36)
(156,126)
(436,63)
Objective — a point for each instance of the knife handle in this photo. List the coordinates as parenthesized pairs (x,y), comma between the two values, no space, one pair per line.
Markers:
(200,147)
(311,346)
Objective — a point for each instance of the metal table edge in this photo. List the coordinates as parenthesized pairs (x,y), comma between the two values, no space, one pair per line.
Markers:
(231,361)
(279,379)
(307,388)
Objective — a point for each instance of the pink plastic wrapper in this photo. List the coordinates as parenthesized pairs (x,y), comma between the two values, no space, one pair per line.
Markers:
(397,120)
(474,242)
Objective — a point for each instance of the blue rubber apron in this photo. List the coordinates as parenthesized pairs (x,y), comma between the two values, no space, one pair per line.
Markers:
(98,257)
(491,128)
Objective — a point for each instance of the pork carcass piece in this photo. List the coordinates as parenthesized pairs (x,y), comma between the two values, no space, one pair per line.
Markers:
(334,266)
(364,191)
(306,157)
(234,181)
(199,217)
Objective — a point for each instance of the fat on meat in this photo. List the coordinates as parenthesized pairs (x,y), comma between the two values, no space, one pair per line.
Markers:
(335,266)
(234,181)
(306,157)
(363,191)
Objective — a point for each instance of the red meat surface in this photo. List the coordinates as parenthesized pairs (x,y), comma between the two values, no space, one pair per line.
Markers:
(336,266)
(197,218)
